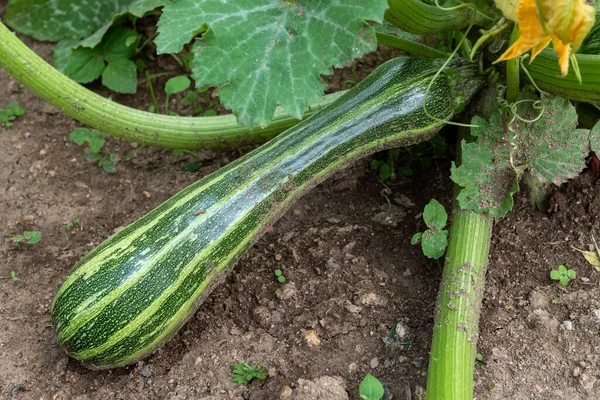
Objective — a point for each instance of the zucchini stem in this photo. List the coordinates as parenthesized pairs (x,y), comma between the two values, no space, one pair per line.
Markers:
(453,348)
(186,133)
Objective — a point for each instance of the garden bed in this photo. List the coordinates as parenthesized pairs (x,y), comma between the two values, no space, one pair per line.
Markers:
(351,271)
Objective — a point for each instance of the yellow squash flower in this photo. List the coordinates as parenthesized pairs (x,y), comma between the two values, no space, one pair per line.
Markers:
(565,23)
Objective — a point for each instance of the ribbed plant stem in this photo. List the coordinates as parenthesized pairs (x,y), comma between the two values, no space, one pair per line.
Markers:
(417,17)
(454,344)
(189,133)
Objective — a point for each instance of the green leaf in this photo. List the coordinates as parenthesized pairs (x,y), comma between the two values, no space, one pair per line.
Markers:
(595,139)
(564,281)
(434,243)
(281,279)
(177,84)
(119,43)
(416,238)
(54,20)
(485,174)
(554,275)
(120,76)
(244,373)
(96,144)
(84,65)
(435,215)
(562,270)
(552,147)
(79,136)
(274,51)
(370,388)
(192,167)
(62,52)
(32,237)
(571,274)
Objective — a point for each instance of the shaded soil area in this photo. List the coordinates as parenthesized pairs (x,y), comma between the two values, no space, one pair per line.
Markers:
(352,279)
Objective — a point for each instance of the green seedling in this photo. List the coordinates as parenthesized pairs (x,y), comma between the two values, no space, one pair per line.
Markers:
(29,237)
(73,223)
(244,373)
(194,165)
(95,141)
(563,275)
(13,275)
(280,277)
(12,112)
(174,85)
(371,388)
(435,239)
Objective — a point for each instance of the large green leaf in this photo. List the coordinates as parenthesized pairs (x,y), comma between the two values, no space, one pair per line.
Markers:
(269,52)
(55,20)
(544,140)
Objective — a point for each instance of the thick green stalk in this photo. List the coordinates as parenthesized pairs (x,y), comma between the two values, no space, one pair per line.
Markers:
(421,18)
(413,48)
(546,74)
(454,344)
(513,84)
(123,122)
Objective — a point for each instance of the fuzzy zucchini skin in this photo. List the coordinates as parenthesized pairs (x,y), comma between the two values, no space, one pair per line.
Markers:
(137,288)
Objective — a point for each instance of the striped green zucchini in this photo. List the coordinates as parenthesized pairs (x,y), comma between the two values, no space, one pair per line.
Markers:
(136,289)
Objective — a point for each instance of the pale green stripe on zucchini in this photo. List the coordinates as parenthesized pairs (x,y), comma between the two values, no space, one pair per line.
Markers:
(148,279)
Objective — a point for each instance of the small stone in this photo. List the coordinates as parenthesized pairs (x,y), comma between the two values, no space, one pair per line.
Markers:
(400,330)
(42,153)
(324,387)
(576,372)
(587,381)
(16,388)
(353,367)
(597,313)
(286,291)
(286,393)
(387,394)
(29,220)
(568,325)
(27,134)
(145,372)
(352,308)
(311,338)
(235,331)
(370,299)
(278,257)
(147,194)
(263,316)
(374,362)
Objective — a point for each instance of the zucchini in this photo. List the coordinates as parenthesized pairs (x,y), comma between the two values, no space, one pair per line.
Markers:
(137,288)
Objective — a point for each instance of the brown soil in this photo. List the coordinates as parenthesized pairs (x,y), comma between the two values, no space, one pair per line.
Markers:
(352,276)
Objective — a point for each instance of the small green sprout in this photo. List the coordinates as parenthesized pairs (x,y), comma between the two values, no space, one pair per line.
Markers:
(371,389)
(243,373)
(27,237)
(95,141)
(12,112)
(563,275)
(71,224)
(174,85)
(479,357)
(14,276)
(280,277)
(435,239)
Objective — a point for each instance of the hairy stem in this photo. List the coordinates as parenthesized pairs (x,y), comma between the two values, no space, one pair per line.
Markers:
(189,133)
(417,17)
(453,349)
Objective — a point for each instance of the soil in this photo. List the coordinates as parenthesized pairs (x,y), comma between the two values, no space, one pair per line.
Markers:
(352,277)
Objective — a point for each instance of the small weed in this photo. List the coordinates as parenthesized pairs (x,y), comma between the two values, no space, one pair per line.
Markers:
(435,239)
(31,237)
(479,357)
(73,223)
(12,112)
(174,85)
(280,277)
(95,141)
(563,275)
(13,275)
(370,388)
(243,373)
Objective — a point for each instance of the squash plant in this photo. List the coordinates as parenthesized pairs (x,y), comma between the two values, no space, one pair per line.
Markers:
(137,288)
